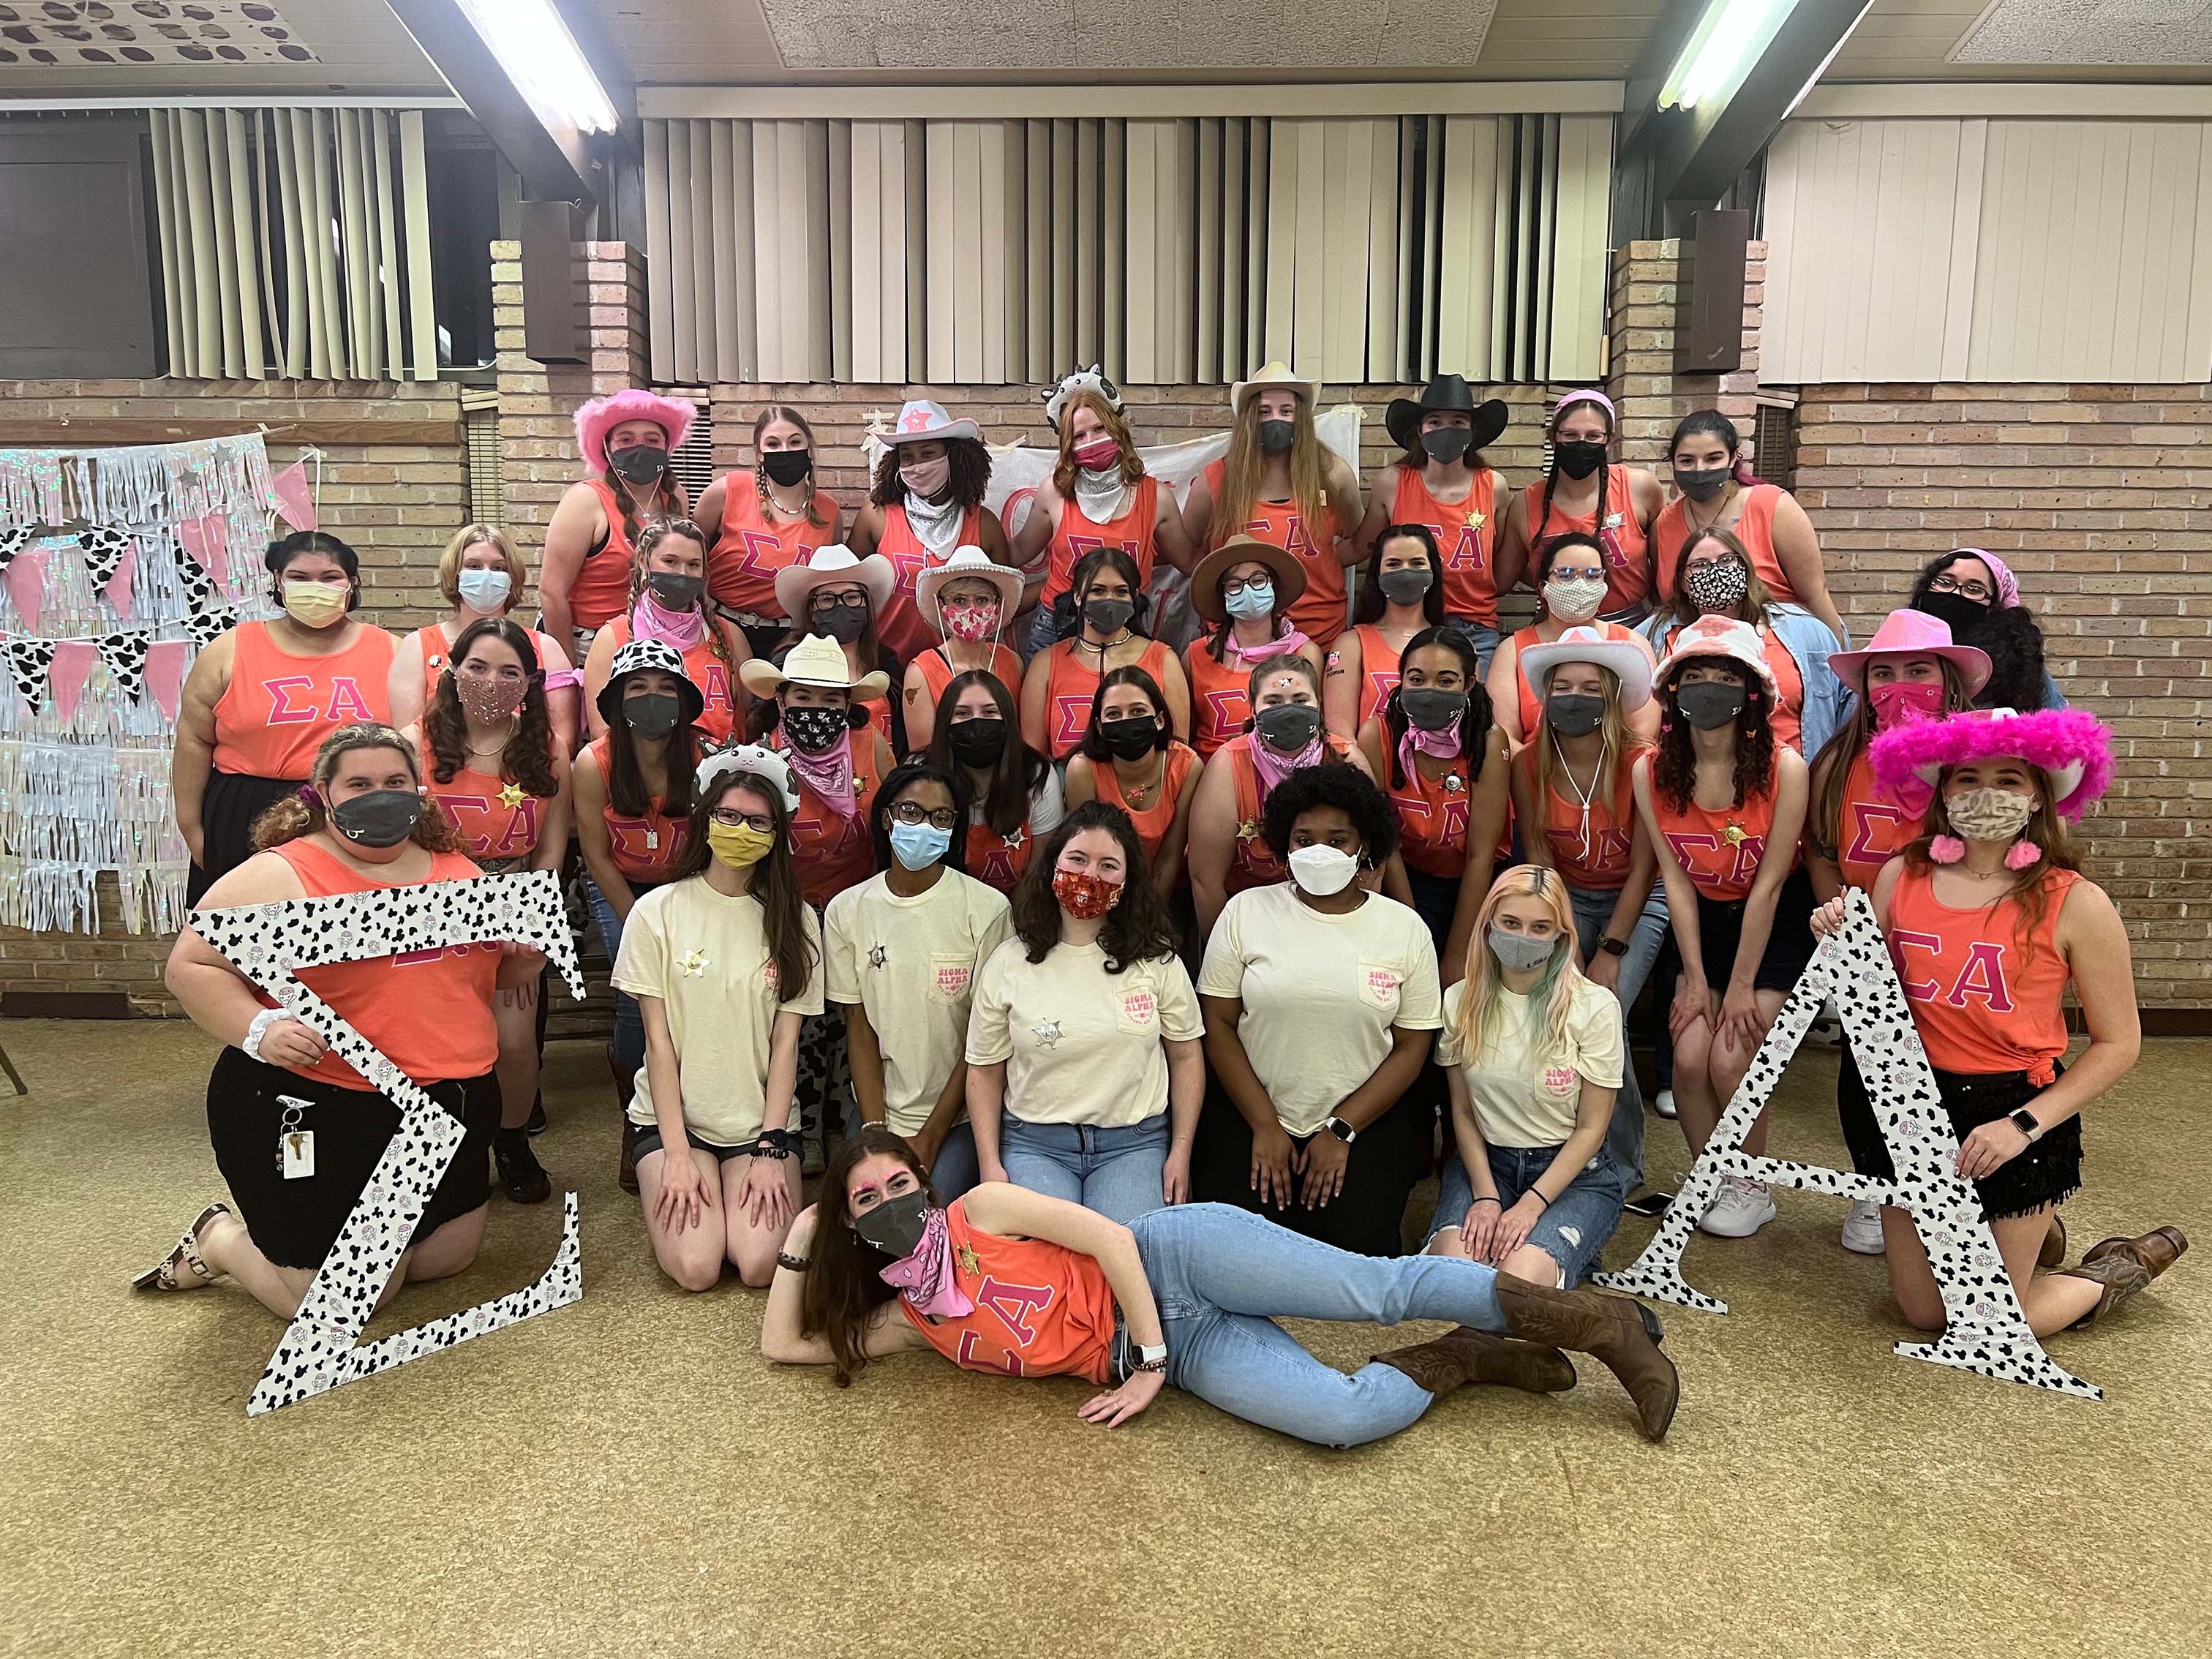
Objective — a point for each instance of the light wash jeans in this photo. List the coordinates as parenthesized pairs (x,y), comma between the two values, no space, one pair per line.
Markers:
(630,1018)
(1573,1228)
(956,1170)
(1485,639)
(1624,1140)
(1116,1172)
(1221,1276)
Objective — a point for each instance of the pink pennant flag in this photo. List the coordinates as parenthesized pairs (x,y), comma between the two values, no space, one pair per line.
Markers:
(294,502)
(119,585)
(208,540)
(191,533)
(73,660)
(26,585)
(164,672)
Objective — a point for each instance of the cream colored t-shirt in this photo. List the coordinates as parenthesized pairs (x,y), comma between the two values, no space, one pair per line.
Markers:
(911,964)
(1320,992)
(1523,1100)
(1081,1045)
(705,955)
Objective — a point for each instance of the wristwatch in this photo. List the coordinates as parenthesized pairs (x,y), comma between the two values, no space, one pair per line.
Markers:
(2024,1121)
(1613,947)
(1343,1130)
(1143,1358)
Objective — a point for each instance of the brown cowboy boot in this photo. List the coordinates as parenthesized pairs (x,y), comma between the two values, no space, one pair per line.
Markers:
(2124,1266)
(2157,1250)
(625,1086)
(2053,1250)
(1468,1355)
(1621,1335)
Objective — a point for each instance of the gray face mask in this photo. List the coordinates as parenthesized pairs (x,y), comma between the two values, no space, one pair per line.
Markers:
(1406,587)
(1518,951)
(674,590)
(1288,727)
(1574,714)
(382,818)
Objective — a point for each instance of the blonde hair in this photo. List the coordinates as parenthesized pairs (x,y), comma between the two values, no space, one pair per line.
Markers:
(474,535)
(1616,741)
(290,816)
(1241,471)
(1555,992)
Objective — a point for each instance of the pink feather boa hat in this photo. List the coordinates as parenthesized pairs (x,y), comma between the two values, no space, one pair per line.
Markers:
(2073,750)
(602,415)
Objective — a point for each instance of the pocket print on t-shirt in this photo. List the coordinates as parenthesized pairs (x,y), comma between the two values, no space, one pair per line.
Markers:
(1378,985)
(948,978)
(1137,1011)
(1560,1081)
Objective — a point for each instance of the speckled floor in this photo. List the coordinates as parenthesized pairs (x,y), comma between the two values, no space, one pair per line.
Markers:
(627,1476)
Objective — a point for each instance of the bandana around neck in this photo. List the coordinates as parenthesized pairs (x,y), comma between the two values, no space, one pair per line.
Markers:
(649,620)
(1273,768)
(1286,643)
(1437,745)
(928,1276)
(829,774)
(1102,497)
(936,523)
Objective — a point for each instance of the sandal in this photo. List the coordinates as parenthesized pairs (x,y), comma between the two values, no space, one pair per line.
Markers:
(162,1276)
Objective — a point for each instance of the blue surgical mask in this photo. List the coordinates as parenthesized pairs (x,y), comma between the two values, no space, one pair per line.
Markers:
(484,591)
(918,846)
(1256,600)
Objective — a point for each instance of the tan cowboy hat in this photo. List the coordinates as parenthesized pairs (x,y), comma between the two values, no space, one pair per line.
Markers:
(1275,375)
(831,566)
(975,564)
(817,660)
(1206,578)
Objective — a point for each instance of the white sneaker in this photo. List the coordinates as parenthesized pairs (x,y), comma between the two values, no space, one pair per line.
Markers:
(1827,1027)
(1862,1228)
(1740,1209)
(1663,1103)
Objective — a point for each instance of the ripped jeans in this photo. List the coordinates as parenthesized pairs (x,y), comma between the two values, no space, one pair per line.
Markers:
(1571,1232)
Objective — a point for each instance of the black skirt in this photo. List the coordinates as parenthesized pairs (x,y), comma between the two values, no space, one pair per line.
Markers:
(233,801)
(1789,941)
(2048,1172)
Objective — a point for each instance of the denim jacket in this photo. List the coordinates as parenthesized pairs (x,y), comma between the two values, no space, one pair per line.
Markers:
(1808,641)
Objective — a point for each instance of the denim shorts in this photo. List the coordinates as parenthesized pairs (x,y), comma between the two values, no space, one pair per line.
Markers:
(1571,1232)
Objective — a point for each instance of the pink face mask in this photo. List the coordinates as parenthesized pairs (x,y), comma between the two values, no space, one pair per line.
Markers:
(1903,700)
(972,620)
(1099,454)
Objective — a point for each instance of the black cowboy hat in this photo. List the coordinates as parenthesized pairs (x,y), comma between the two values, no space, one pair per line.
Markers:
(1403,418)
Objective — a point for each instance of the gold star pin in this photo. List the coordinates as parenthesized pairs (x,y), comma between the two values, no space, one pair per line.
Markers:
(1476,518)
(969,1264)
(1249,830)
(1734,835)
(512,796)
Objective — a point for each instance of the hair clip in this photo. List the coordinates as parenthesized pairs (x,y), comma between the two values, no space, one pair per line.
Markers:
(308,797)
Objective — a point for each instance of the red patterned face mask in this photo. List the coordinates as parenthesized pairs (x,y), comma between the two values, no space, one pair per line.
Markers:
(1083,896)
(971,620)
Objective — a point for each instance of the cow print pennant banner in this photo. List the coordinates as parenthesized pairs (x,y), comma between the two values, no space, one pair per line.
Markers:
(125,657)
(104,551)
(14,539)
(28,662)
(205,626)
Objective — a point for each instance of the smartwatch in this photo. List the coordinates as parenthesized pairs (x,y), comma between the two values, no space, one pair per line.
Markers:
(1343,1130)
(2024,1121)
(1143,1358)
(1613,947)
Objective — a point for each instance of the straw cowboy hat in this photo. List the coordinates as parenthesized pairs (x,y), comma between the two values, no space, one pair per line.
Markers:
(1624,657)
(639,655)
(833,567)
(924,420)
(1912,634)
(602,415)
(1445,393)
(1274,375)
(749,760)
(2073,749)
(817,660)
(1206,578)
(975,564)
(1722,639)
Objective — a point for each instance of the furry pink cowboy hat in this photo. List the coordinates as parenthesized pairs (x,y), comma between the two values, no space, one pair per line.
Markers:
(602,415)
(2072,750)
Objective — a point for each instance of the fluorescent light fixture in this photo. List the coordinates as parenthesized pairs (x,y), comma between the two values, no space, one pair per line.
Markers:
(540,55)
(1728,41)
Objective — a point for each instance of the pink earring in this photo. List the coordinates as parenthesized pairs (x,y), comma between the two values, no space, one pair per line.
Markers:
(2022,853)
(1946,849)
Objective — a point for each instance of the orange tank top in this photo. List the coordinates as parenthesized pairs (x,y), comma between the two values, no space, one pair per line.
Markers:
(1464,537)
(1378,670)
(741,565)
(428,1012)
(834,852)
(1041,1309)
(1591,852)
(493,815)
(1318,613)
(601,590)
(645,848)
(1433,818)
(1628,578)
(1983,1000)
(937,673)
(1754,528)
(998,860)
(1077,534)
(1156,820)
(1220,697)
(1873,827)
(277,708)
(901,626)
(704,667)
(1719,850)
(1072,687)
(1253,863)
(1523,639)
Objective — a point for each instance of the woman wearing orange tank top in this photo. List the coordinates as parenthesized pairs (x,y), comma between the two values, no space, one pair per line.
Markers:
(926,503)
(1062,683)
(261,699)
(668,602)
(1584,492)
(1130,759)
(297,1131)
(1020,1284)
(1989,922)
(1361,669)
(1718,492)
(760,523)
(1014,793)
(1723,803)
(844,597)
(970,602)
(625,441)
(1246,588)
(1570,572)
(481,573)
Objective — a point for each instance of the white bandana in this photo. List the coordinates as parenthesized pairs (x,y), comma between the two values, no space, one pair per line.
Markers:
(936,523)
(1102,497)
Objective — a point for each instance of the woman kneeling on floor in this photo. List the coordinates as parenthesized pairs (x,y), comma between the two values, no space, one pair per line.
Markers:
(1019,1284)
(297,1131)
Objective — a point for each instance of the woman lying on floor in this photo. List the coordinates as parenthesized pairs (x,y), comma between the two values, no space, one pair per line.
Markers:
(1018,1284)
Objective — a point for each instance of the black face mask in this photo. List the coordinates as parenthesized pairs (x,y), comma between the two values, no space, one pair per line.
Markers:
(1710,704)
(382,818)
(1431,710)
(1407,586)
(1288,727)
(1578,460)
(977,742)
(815,730)
(1702,485)
(787,467)
(1446,444)
(1107,617)
(673,591)
(1962,615)
(1276,437)
(1129,739)
(897,1225)
(842,622)
(641,463)
(651,715)
(1574,715)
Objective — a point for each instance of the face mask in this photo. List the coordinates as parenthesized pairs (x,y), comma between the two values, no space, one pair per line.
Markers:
(918,846)
(786,466)
(672,591)
(1288,727)
(1107,617)
(739,846)
(1097,455)
(814,731)
(1276,437)
(1905,699)
(1129,739)
(1518,951)
(1083,896)
(650,714)
(1407,586)
(1574,714)
(897,1225)
(1446,444)
(1578,460)
(1255,601)
(314,605)
(1714,586)
(1989,814)
(641,463)
(382,818)
(1710,704)
(978,742)
(973,620)
(842,622)
(1958,612)
(1431,710)
(489,701)
(1573,600)
(1702,485)
(926,478)
(485,591)
(1323,871)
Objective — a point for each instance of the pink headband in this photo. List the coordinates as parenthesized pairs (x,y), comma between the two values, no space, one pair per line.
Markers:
(2000,573)
(1585,395)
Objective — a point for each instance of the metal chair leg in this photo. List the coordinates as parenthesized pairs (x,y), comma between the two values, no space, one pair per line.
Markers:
(13,1076)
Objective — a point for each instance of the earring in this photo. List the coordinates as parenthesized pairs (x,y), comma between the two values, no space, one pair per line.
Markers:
(2022,853)
(1946,849)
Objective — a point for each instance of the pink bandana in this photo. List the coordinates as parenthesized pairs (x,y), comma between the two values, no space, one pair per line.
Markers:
(829,774)
(927,1275)
(1437,745)
(683,629)
(1273,769)
(1286,643)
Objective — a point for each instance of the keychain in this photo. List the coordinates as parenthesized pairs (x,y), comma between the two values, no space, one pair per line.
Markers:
(295,1147)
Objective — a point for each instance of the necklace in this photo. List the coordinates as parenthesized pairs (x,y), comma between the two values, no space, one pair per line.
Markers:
(1140,795)
(1111,645)
(1698,526)
(777,504)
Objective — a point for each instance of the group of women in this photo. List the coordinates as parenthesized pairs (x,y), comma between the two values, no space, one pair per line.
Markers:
(1093,944)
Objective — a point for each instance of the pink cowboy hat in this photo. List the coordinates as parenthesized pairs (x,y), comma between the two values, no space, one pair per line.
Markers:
(1912,634)
(2073,750)
(1718,638)
(602,415)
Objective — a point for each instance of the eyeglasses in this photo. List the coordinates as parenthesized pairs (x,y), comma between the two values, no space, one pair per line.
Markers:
(910,813)
(729,818)
(1233,585)
(1978,591)
(853,596)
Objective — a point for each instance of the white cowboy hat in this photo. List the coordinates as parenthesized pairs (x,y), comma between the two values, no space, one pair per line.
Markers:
(973,563)
(1274,374)
(924,420)
(832,565)
(817,660)
(1625,658)
(750,760)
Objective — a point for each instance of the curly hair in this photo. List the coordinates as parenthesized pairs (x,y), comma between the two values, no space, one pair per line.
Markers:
(1138,929)
(971,474)
(1348,789)
(1370,604)
(290,816)
(902,778)
(774,885)
(528,757)
(1474,721)
(2008,633)
(1675,772)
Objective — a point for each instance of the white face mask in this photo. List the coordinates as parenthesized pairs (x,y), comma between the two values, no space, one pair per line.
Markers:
(1989,814)
(485,591)
(1323,871)
(1573,598)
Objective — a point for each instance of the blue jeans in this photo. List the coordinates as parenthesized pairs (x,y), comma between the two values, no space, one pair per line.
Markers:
(956,1170)
(1116,1172)
(1221,1276)
(1624,1140)
(1485,636)
(1574,1227)
(630,1018)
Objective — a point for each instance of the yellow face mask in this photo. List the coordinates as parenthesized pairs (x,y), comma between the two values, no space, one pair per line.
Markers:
(314,605)
(738,845)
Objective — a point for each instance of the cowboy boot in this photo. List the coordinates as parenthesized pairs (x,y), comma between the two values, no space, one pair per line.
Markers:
(2053,1250)
(1468,1355)
(2157,1250)
(625,1086)
(1623,1335)
(2124,1266)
